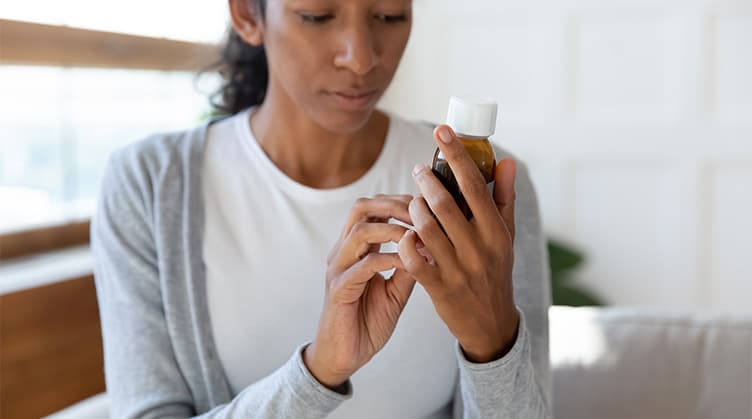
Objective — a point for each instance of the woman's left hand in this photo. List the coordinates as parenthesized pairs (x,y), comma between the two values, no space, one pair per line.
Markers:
(468,274)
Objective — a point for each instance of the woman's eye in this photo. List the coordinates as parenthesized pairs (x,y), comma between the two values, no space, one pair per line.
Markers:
(315,18)
(392,18)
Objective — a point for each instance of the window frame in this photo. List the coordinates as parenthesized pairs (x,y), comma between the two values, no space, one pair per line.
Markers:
(33,241)
(28,43)
(36,44)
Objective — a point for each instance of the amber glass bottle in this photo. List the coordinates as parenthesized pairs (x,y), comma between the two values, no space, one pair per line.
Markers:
(473,122)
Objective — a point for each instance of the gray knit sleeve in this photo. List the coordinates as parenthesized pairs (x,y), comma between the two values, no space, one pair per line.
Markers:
(519,384)
(289,392)
(142,374)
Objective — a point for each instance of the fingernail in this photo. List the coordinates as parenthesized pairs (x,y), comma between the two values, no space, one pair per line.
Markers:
(418,167)
(445,136)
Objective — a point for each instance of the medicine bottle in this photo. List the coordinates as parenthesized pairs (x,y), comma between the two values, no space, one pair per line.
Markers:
(473,122)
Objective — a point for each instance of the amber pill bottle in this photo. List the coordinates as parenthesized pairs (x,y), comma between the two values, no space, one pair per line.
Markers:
(473,122)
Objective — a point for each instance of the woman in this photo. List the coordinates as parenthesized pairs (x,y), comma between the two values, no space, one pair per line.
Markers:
(238,264)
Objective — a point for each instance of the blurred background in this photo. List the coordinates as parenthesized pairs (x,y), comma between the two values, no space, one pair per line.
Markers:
(633,116)
(635,119)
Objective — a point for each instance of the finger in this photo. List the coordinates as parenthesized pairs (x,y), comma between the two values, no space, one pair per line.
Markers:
(431,236)
(357,244)
(504,192)
(442,204)
(381,207)
(472,184)
(414,263)
(399,197)
(400,286)
(355,278)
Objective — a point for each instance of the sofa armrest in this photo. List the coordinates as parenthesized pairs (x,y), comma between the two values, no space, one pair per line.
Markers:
(635,363)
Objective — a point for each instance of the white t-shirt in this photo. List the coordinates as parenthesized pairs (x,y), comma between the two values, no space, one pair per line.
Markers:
(265,247)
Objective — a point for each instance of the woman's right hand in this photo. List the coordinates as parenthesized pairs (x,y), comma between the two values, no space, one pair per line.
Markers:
(361,308)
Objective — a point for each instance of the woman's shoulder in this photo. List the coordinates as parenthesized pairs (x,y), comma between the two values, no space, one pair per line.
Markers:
(160,153)
(161,167)
(412,127)
(410,138)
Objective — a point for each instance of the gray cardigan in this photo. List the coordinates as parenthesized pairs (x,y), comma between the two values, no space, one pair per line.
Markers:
(160,358)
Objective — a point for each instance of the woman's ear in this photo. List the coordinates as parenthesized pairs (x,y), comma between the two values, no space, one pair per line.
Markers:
(247,20)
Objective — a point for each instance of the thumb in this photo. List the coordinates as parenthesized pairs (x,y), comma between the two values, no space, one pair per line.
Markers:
(401,285)
(504,193)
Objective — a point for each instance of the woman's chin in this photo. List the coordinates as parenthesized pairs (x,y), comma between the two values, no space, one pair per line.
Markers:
(346,122)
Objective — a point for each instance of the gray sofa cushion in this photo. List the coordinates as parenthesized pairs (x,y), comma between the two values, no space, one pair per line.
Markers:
(634,363)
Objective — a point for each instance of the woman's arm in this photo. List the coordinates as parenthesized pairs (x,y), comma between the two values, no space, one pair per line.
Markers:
(519,384)
(142,374)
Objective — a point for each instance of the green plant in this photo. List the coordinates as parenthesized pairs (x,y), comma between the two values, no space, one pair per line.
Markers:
(209,113)
(563,260)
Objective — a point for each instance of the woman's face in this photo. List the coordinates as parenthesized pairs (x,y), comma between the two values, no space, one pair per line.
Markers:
(333,59)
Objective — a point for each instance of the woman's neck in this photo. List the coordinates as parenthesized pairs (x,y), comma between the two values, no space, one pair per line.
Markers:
(312,155)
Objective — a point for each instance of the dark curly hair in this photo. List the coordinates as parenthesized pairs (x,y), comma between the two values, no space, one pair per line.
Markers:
(244,72)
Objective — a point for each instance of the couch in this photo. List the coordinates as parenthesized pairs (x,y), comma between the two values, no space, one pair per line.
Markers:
(620,363)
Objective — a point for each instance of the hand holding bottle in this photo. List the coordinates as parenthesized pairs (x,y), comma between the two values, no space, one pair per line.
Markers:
(470,277)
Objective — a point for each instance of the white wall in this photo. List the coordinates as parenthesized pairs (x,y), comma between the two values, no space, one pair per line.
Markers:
(635,119)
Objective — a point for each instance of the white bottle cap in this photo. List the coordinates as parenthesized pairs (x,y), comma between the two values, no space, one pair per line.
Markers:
(472,118)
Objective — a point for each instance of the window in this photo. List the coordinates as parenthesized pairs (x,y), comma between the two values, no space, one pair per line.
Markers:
(62,112)
(58,125)
(195,21)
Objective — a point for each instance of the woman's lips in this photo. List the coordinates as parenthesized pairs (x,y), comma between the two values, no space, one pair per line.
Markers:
(351,100)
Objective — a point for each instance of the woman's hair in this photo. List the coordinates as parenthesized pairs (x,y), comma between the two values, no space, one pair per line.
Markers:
(244,72)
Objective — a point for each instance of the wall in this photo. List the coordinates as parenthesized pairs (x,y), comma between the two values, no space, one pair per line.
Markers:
(635,119)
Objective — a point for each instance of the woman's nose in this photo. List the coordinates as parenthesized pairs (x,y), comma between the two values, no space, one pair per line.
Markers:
(357,52)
